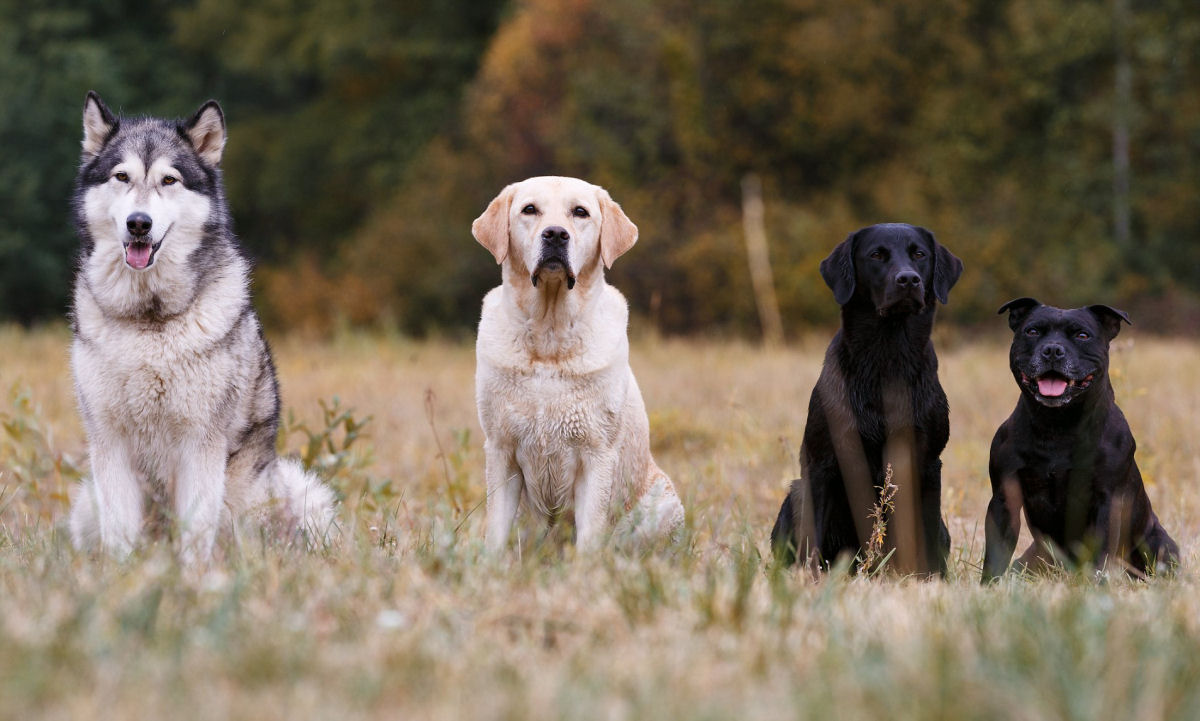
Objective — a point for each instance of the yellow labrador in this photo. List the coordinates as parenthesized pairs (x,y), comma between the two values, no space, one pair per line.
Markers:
(562,416)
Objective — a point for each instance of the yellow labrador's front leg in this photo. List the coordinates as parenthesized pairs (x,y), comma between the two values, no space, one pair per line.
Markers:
(593,489)
(504,485)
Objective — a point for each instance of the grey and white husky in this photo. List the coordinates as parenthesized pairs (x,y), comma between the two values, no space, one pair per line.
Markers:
(175,382)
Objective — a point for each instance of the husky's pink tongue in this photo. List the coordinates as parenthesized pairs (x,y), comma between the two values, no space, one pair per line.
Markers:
(137,255)
(1052,387)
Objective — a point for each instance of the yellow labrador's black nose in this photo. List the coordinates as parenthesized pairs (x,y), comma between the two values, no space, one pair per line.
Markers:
(555,235)
(139,224)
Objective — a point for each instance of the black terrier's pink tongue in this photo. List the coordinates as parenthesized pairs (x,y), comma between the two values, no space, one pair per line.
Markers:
(1052,387)
(137,255)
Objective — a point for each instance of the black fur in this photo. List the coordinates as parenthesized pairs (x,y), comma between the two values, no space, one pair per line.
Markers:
(1066,459)
(879,384)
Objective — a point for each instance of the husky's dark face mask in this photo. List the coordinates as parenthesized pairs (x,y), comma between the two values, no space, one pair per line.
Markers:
(147,187)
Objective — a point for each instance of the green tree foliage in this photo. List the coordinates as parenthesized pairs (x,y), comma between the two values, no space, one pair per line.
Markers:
(365,136)
(51,54)
(990,123)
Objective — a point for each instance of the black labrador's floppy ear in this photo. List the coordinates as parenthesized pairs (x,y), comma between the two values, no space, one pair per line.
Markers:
(838,269)
(1019,310)
(947,268)
(1110,319)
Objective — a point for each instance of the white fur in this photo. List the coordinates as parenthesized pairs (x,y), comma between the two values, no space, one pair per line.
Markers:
(165,397)
(563,418)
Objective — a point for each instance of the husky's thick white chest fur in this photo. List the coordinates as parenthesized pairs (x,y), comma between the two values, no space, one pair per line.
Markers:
(563,417)
(175,382)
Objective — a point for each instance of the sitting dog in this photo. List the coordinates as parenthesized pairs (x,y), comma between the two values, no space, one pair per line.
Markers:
(562,416)
(1065,455)
(877,403)
(175,382)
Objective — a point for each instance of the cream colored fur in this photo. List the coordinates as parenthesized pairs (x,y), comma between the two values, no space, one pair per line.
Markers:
(563,418)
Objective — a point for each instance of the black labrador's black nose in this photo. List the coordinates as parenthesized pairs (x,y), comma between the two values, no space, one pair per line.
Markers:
(555,235)
(907,278)
(138,224)
(1052,351)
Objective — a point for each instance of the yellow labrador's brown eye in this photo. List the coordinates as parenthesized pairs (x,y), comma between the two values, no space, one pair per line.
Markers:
(122,176)
(170,180)
(529,209)
(580,212)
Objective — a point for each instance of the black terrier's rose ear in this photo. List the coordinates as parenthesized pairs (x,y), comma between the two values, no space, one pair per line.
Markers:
(838,269)
(1110,319)
(1019,310)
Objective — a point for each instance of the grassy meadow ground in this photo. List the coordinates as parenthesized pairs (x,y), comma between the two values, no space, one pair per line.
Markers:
(404,617)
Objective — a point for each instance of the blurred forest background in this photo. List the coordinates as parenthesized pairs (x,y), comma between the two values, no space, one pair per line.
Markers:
(1052,144)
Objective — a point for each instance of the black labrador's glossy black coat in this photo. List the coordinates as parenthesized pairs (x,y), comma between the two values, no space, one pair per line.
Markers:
(877,402)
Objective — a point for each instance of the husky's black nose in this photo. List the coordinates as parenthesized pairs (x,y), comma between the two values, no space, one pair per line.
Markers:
(138,224)
(555,235)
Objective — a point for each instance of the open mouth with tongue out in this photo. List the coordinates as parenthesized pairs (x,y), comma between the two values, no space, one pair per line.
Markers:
(1055,389)
(139,252)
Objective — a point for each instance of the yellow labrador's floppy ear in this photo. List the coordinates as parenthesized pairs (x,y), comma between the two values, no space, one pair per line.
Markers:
(206,131)
(491,228)
(617,232)
(98,124)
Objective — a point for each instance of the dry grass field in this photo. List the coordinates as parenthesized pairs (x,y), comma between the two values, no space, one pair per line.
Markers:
(405,618)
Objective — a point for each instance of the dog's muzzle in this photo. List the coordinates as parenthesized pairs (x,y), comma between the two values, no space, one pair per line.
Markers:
(1052,378)
(905,295)
(139,246)
(554,257)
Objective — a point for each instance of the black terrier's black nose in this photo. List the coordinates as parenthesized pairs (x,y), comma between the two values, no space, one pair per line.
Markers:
(906,278)
(1051,351)
(555,235)
(138,224)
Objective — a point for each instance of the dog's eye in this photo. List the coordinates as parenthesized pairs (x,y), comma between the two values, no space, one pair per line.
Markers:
(122,176)
(170,180)
(1082,335)
(918,254)
(1031,331)
(529,209)
(580,212)
(877,254)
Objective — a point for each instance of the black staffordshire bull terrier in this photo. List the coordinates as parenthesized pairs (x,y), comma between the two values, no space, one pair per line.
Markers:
(1065,455)
(877,403)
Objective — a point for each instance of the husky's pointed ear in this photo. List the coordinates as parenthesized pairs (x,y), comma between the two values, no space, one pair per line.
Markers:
(206,131)
(491,228)
(1018,310)
(1110,319)
(617,231)
(98,124)
(838,269)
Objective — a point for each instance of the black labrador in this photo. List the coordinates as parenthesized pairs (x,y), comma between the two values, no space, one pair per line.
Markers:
(1065,455)
(877,403)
